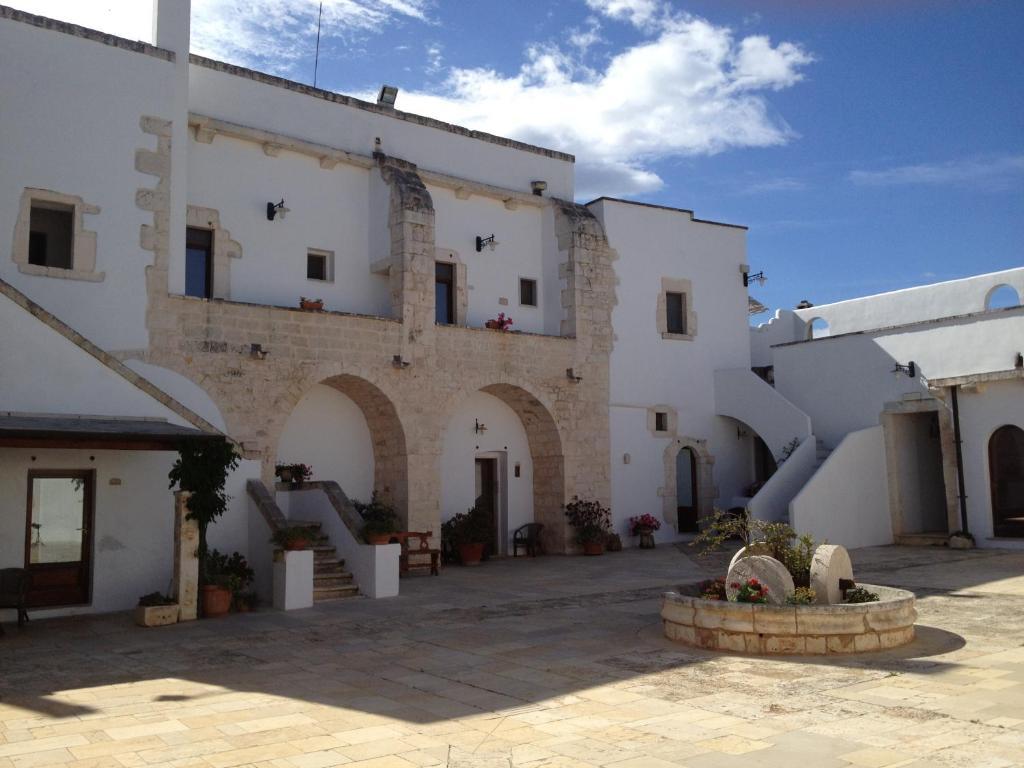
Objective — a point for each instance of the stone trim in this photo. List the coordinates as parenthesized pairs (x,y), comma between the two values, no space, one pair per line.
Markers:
(83,241)
(111,362)
(348,101)
(685,287)
(224,248)
(155,237)
(672,420)
(706,490)
(66,28)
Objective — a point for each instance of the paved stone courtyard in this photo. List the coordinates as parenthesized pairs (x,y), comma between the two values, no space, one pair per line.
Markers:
(556,662)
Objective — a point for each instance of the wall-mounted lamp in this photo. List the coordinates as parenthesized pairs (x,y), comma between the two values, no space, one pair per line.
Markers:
(1019,362)
(757,277)
(479,426)
(273,209)
(570,374)
(490,242)
(538,187)
(398,362)
(387,96)
(910,369)
(741,433)
(257,352)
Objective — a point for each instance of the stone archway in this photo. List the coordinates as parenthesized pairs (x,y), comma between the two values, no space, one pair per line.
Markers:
(705,492)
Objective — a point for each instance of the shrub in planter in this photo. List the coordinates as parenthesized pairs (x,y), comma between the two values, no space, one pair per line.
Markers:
(468,532)
(592,522)
(156,610)
(380,519)
(712,589)
(860,595)
(227,577)
(801,596)
(293,473)
(752,591)
(295,537)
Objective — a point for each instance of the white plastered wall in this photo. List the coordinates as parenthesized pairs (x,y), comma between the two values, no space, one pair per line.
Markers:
(80,138)
(505,435)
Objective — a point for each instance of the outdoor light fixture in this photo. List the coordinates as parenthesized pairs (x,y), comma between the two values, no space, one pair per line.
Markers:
(479,426)
(910,369)
(387,96)
(273,209)
(757,277)
(538,187)
(490,242)
(257,352)
(570,374)
(1019,362)
(398,362)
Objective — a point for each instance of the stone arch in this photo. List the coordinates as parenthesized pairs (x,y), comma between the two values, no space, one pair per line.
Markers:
(1002,296)
(1006,479)
(817,328)
(706,491)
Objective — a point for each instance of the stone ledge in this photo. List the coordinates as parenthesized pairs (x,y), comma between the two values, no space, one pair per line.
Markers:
(718,625)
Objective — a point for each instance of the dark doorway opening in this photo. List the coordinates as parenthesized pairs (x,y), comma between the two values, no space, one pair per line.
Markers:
(58,536)
(1006,475)
(686,491)
(487,501)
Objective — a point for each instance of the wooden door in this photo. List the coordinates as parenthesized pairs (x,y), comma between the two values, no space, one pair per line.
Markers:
(487,499)
(58,536)
(1006,474)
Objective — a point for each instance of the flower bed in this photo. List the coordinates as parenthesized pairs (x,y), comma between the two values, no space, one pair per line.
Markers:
(790,629)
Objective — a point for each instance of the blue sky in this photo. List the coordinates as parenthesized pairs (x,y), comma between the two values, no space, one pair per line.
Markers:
(869,145)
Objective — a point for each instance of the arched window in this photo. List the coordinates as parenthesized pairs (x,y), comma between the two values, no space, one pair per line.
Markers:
(1002,296)
(1006,476)
(817,329)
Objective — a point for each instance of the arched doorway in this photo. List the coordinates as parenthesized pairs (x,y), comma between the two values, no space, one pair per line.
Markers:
(1006,475)
(689,491)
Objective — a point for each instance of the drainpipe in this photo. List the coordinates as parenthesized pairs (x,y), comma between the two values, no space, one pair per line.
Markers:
(959,459)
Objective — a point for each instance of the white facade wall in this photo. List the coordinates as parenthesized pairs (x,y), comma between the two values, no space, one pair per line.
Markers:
(648,370)
(66,127)
(504,439)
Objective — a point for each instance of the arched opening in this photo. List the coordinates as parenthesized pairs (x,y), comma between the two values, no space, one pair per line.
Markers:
(689,493)
(817,328)
(765,464)
(1001,297)
(1006,476)
(348,430)
(501,451)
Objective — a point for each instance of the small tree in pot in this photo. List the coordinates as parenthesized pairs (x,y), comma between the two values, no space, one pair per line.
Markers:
(380,519)
(468,532)
(592,521)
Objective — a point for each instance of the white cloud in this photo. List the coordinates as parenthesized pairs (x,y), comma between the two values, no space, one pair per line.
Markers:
(435,58)
(995,173)
(783,184)
(275,35)
(639,13)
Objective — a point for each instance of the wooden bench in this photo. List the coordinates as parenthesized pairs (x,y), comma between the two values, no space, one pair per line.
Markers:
(417,553)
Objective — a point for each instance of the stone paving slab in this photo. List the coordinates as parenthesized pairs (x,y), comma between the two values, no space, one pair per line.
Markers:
(555,662)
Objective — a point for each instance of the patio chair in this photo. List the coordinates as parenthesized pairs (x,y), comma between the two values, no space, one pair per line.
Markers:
(14,585)
(421,556)
(528,537)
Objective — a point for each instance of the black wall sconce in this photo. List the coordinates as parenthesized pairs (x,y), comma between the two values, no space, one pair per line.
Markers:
(398,362)
(741,433)
(479,426)
(1019,362)
(257,352)
(570,374)
(490,242)
(274,208)
(757,277)
(910,369)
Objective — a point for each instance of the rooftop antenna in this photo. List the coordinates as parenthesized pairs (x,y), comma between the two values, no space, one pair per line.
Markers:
(316,59)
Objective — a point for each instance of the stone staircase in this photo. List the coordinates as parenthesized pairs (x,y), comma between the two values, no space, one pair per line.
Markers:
(330,579)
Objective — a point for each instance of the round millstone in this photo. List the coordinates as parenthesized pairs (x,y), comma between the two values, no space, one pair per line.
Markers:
(767,570)
(831,562)
(757,548)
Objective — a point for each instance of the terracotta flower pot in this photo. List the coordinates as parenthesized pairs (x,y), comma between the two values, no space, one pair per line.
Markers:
(593,548)
(378,538)
(313,305)
(286,476)
(297,545)
(494,325)
(216,600)
(471,554)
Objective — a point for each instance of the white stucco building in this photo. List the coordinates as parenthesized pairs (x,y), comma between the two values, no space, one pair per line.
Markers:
(162,233)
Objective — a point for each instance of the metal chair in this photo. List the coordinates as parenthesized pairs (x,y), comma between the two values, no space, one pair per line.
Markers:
(14,586)
(528,537)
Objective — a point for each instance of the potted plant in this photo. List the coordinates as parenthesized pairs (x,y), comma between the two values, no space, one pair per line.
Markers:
(294,537)
(227,577)
(644,526)
(468,533)
(592,521)
(156,610)
(296,474)
(499,323)
(246,601)
(313,305)
(380,519)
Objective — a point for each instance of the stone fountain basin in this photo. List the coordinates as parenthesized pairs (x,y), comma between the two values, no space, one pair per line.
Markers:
(718,625)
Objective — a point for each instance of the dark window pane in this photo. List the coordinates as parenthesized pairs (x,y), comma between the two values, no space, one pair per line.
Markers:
(444,293)
(316,266)
(660,421)
(198,263)
(528,292)
(50,233)
(675,310)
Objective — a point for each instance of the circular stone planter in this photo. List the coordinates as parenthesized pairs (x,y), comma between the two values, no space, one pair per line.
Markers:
(719,625)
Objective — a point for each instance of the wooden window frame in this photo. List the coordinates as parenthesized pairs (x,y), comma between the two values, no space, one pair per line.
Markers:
(209,248)
(449,282)
(536,298)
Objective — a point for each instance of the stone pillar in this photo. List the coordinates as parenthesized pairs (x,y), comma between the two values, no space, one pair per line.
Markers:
(186,559)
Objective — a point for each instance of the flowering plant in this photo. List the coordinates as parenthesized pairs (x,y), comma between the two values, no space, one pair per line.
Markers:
(293,473)
(752,591)
(712,589)
(500,323)
(643,521)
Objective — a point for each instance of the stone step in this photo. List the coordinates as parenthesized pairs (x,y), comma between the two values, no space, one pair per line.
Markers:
(331,581)
(334,593)
(930,539)
(328,569)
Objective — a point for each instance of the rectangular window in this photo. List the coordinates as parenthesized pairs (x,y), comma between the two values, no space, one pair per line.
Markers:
(319,265)
(51,233)
(199,263)
(527,292)
(444,293)
(675,312)
(660,421)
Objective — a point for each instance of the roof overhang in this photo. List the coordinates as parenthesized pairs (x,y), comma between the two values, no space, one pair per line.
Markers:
(95,432)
